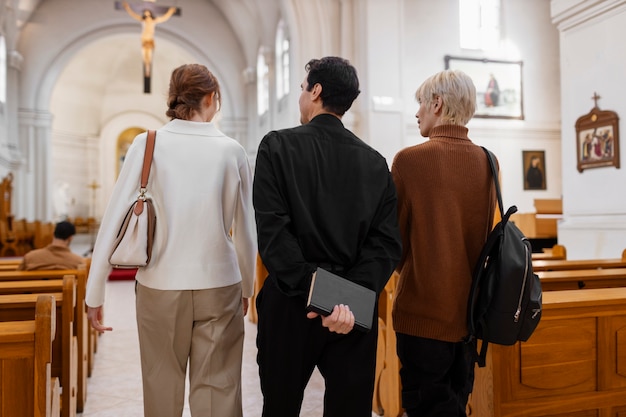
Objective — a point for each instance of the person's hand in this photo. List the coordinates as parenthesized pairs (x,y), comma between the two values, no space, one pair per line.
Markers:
(341,320)
(246,304)
(94,315)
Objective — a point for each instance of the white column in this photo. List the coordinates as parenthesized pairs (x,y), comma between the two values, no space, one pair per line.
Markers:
(252,140)
(32,193)
(236,129)
(378,55)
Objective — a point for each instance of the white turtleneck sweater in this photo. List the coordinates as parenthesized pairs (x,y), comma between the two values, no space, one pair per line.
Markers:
(201,185)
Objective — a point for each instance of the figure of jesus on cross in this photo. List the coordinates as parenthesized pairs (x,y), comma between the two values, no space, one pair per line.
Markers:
(149,15)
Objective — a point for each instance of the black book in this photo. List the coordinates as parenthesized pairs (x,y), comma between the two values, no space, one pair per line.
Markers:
(328,290)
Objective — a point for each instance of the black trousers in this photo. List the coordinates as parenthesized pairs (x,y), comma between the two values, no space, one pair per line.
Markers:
(290,346)
(437,377)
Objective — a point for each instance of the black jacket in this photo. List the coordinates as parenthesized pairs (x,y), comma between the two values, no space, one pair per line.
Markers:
(324,197)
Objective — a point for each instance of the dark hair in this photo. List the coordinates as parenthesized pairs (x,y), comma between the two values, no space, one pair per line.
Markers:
(189,84)
(63,230)
(339,81)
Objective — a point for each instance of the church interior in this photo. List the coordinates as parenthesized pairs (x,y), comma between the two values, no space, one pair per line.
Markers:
(79,79)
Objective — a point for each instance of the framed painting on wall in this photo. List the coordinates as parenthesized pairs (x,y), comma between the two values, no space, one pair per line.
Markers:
(534,163)
(498,85)
(597,139)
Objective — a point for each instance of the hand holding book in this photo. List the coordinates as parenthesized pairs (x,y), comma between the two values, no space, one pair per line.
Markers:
(341,320)
(328,291)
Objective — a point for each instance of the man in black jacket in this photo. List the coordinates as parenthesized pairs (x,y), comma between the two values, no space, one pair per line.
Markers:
(322,198)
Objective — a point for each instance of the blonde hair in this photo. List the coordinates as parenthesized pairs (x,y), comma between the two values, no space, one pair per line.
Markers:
(457,92)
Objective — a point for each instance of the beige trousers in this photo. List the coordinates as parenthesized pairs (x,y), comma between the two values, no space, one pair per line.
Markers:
(202,327)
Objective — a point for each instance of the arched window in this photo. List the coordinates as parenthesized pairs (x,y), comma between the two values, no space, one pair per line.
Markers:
(3,72)
(263,84)
(282,61)
(479,24)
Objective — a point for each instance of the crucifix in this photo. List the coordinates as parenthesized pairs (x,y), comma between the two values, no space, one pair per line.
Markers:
(150,15)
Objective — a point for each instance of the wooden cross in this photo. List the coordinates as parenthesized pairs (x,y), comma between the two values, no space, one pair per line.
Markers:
(595,99)
(150,15)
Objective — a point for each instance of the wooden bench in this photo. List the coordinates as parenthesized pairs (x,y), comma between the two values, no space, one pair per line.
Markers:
(27,388)
(582,278)
(44,233)
(87,337)
(387,387)
(557,252)
(91,339)
(19,307)
(259,279)
(555,265)
(31,286)
(387,395)
(11,262)
(572,366)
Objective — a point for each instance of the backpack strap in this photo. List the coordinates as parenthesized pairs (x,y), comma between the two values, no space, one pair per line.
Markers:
(494,172)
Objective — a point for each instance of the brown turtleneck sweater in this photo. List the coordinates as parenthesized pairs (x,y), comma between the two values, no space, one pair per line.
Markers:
(446,203)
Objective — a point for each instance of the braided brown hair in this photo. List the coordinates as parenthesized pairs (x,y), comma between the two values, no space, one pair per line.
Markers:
(189,84)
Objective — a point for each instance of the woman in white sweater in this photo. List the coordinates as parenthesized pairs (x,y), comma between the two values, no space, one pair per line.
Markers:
(192,297)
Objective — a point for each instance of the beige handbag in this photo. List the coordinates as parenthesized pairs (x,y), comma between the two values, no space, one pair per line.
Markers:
(133,244)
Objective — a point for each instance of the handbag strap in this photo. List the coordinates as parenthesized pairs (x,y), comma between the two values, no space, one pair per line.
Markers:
(147,158)
(494,173)
(145,171)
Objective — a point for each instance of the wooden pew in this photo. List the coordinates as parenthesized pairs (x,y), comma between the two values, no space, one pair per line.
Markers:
(555,265)
(44,232)
(387,389)
(27,388)
(31,286)
(557,252)
(259,279)
(582,278)
(11,261)
(24,235)
(387,395)
(19,307)
(8,243)
(572,366)
(85,335)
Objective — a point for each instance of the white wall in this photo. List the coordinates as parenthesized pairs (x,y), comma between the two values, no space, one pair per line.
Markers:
(395,45)
(431,31)
(594,204)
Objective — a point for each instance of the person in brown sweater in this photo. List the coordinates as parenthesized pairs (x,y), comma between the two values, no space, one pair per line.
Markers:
(57,255)
(446,204)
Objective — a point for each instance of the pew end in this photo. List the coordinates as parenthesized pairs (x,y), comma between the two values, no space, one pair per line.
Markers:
(26,387)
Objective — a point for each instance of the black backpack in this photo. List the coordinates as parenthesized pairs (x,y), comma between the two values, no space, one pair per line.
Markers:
(505,298)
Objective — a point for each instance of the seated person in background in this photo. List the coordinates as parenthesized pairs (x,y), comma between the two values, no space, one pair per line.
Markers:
(57,255)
